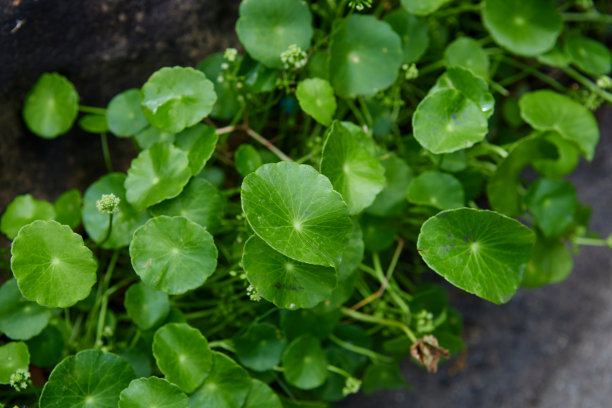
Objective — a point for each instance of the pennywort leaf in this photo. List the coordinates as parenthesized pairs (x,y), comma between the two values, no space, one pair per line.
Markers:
(295,210)
(52,265)
(481,252)
(175,98)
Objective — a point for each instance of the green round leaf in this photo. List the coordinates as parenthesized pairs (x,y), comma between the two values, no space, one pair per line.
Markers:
(351,258)
(548,110)
(316,98)
(555,57)
(383,377)
(51,106)
(283,281)
(68,208)
(413,33)
(526,28)
(125,221)
(481,252)
(13,356)
(397,179)
(89,379)
(261,347)
(318,322)
(139,359)
(199,202)
(174,98)
(183,355)
(439,190)
(550,262)
(378,232)
(227,386)
(553,203)
(589,55)
(423,7)
(567,161)
(52,265)
(23,210)
(158,173)
(152,392)
(124,115)
(295,210)
(147,307)
(261,396)
(247,159)
(94,123)
(363,64)
(19,318)
(447,121)
(267,28)
(304,363)
(198,142)
(46,348)
(504,190)
(471,86)
(353,172)
(173,254)
(467,53)
(227,105)
(151,135)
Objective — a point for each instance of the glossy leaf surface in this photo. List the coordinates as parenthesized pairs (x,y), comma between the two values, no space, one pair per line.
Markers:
(295,210)
(283,281)
(51,106)
(23,210)
(173,254)
(481,252)
(52,265)
(267,28)
(91,378)
(548,110)
(157,174)
(352,170)
(183,355)
(20,319)
(447,121)
(124,115)
(174,98)
(527,28)
(152,392)
(364,65)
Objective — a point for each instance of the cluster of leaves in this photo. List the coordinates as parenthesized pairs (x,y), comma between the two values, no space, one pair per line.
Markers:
(221,273)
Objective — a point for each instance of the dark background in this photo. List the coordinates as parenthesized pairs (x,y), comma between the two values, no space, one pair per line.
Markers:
(546,348)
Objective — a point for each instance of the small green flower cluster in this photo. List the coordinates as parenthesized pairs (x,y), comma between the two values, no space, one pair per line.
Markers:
(20,379)
(294,58)
(108,203)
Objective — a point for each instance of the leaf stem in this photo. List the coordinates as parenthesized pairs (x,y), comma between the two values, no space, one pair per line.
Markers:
(108,231)
(223,344)
(104,304)
(376,320)
(374,356)
(106,152)
(92,109)
(591,17)
(589,241)
(533,71)
(587,83)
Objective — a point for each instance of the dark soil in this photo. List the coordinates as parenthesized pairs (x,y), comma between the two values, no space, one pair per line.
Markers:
(103,47)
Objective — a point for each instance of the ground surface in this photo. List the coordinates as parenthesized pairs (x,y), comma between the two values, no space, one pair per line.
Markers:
(546,348)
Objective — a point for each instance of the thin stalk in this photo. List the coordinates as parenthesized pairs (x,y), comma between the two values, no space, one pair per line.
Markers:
(372,355)
(92,109)
(534,72)
(591,17)
(108,231)
(607,96)
(223,344)
(104,306)
(268,144)
(589,241)
(376,320)
(106,152)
